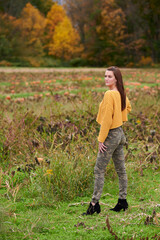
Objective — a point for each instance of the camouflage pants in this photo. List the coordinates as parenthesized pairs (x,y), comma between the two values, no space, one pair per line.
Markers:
(114,142)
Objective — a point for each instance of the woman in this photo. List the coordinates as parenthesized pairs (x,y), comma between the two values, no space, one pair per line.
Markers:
(112,113)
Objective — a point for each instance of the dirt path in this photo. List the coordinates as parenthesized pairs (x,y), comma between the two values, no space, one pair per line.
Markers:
(50,70)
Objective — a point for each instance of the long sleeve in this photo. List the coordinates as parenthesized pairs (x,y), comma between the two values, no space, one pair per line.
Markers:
(104,117)
(110,115)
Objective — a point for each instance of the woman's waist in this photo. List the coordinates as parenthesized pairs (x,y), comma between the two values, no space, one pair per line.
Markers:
(115,128)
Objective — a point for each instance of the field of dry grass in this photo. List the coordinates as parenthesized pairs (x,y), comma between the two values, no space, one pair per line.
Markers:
(48,148)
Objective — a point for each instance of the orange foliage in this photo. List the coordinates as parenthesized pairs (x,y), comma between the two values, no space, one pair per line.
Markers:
(6,24)
(135,83)
(65,42)
(8,97)
(31,23)
(146,87)
(35,82)
(145,61)
(112,26)
(54,17)
(47,81)
(132,83)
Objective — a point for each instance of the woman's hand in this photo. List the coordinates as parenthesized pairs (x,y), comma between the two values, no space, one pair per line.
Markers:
(102,147)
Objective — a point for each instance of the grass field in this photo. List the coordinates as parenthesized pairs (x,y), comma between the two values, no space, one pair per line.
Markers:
(48,148)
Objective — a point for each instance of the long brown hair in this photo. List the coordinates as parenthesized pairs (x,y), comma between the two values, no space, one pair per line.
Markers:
(119,85)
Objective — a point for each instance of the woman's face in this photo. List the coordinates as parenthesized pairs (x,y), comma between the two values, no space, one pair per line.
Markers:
(110,79)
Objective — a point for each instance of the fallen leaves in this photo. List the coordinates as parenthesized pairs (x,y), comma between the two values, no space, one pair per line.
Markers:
(35,82)
(8,97)
(146,87)
(55,82)
(82,224)
(152,219)
(19,100)
(132,83)
(79,224)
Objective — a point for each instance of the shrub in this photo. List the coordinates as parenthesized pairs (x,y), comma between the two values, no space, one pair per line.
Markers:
(145,61)
(78,62)
(5,63)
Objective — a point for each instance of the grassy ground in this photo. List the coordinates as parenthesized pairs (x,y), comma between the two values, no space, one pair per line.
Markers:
(48,151)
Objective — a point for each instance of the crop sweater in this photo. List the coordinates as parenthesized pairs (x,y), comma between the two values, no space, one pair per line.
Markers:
(110,115)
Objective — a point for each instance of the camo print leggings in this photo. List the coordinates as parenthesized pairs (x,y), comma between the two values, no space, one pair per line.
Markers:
(114,142)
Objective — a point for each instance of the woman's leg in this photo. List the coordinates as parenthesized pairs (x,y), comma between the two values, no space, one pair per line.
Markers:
(112,141)
(119,162)
(99,171)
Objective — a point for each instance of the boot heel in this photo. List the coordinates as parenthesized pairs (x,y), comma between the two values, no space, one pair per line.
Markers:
(92,209)
(124,209)
(121,205)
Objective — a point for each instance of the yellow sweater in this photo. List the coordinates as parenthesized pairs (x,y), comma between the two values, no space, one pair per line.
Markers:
(110,115)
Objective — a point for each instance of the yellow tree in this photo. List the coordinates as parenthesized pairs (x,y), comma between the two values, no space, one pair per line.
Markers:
(32,24)
(65,41)
(54,17)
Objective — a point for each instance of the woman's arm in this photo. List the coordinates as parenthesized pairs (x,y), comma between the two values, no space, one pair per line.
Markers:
(105,119)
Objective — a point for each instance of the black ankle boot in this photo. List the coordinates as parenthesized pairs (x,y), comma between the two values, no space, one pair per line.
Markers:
(92,209)
(122,204)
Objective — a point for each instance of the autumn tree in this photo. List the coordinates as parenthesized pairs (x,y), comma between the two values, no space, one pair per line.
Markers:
(54,17)
(61,38)
(11,45)
(101,27)
(111,32)
(6,28)
(85,16)
(31,25)
(65,41)
(81,13)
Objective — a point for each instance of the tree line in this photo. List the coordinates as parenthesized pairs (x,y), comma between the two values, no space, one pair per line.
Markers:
(80,33)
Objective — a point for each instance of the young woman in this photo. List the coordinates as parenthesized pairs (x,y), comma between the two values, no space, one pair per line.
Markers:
(112,113)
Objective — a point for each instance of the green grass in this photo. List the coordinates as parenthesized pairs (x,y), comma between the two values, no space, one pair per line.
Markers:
(47,201)
(39,218)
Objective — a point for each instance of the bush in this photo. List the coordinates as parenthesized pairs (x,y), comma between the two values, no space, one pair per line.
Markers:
(78,62)
(5,63)
(51,62)
(145,61)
